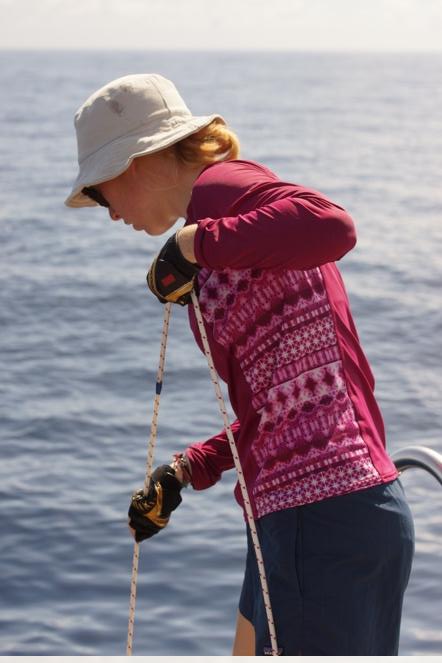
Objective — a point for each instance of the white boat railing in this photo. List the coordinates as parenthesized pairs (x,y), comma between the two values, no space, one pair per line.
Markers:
(421,457)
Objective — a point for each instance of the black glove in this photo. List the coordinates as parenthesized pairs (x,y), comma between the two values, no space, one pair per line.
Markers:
(171,276)
(150,513)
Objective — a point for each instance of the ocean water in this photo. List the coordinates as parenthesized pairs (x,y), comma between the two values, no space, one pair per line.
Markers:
(80,339)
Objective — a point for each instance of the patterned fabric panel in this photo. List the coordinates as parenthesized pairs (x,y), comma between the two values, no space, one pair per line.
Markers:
(280,328)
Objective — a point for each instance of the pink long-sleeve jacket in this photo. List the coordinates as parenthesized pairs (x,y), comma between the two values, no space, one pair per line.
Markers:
(282,337)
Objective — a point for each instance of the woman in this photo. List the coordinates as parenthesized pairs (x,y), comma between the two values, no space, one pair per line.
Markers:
(334,527)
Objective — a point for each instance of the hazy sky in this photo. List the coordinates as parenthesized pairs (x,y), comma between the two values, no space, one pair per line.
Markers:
(388,25)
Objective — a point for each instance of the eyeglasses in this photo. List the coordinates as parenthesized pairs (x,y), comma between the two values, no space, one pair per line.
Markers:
(95,195)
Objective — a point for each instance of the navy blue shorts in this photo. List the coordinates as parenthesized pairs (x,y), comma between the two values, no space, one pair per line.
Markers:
(337,572)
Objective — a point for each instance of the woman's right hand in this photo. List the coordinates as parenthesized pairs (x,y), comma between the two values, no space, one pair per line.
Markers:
(171,276)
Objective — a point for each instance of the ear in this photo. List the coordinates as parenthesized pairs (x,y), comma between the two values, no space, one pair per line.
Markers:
(134,167)
(135,172)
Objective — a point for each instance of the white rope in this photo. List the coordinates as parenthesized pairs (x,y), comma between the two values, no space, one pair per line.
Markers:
(242,483)
(149,465)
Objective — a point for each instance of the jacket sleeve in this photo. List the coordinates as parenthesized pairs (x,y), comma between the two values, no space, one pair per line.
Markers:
(209,459)
(295,232)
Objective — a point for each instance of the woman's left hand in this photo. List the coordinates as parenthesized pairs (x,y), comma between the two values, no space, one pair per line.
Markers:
(149,513)
(171,275)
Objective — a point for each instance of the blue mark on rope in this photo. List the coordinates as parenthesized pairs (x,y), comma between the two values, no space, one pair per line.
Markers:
(158,387)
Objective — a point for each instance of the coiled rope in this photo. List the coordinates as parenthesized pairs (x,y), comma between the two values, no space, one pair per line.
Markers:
(274,651)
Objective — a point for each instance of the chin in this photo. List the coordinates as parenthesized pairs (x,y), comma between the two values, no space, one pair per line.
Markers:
(161,229)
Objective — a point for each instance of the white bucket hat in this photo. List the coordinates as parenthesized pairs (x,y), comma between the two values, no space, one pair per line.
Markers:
(127,118)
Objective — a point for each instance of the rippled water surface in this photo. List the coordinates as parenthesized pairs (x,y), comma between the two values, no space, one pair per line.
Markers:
(80,339)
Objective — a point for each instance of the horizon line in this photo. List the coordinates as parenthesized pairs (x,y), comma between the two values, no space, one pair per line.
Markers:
(99,49)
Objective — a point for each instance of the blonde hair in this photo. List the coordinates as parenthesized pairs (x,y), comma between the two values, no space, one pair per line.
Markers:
(213,143)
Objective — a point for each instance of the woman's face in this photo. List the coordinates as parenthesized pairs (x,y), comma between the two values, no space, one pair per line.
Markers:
(150,195)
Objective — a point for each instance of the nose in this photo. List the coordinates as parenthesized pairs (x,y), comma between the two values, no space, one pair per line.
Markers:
(113,215)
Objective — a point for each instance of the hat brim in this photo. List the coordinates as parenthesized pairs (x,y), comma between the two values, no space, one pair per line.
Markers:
(114,158)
